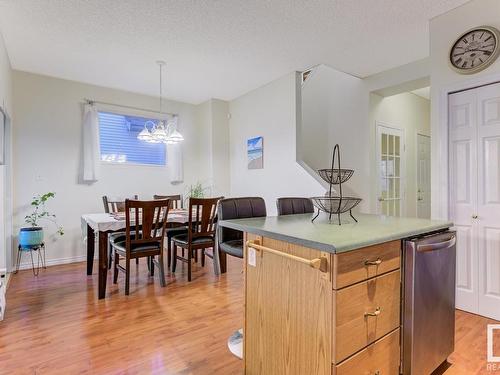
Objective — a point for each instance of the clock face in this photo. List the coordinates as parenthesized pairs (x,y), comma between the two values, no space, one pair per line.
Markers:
(475,50)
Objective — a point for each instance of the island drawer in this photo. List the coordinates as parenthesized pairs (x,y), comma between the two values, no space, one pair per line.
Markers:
(382,357)
(357,265)
(365,312)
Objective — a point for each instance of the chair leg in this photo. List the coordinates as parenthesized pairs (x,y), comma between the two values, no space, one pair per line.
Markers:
(174,257)
(110,254)
(195,253)
(190,255)
(151,261)
(161,269)
(216,261)
(136,260)
(127,276)
(203,257)
(169,252)
(116,259)
(223,261)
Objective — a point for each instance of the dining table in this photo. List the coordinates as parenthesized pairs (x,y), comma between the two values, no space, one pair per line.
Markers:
(103,224)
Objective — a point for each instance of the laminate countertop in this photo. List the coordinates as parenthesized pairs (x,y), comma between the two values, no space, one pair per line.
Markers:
(331,237)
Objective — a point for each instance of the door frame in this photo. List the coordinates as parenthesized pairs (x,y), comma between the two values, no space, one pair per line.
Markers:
(440,175)
(402,165)
(417,134)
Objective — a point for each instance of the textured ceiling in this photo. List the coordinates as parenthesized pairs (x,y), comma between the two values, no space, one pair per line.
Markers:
(213,48)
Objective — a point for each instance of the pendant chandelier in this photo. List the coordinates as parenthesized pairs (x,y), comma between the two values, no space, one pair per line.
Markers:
(165,131)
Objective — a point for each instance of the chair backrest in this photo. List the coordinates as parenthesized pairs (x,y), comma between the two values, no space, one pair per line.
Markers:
(202,217)
(238,208)
(114,204)
(145,221)
(175,200)
(294,205)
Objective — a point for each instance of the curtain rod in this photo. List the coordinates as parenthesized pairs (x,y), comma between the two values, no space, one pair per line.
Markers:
(91,101)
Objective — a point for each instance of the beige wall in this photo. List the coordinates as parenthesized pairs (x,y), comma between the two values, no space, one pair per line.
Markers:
(269,111)
(5,170)
(408,112)
(444,30)
(47,149)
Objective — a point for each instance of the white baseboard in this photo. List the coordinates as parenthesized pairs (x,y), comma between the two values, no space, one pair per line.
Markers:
(50,262)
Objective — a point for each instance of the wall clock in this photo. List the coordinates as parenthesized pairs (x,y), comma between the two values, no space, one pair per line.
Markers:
(475,50)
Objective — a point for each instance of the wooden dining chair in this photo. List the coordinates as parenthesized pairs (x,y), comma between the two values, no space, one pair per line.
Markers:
(144,240)
(173,229)
(113,205)
(200,233)
(175,200)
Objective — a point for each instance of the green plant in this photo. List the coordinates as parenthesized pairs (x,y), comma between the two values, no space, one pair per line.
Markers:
(196,191)
(40,212)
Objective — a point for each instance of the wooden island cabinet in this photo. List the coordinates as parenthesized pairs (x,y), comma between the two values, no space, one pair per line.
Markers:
(322,299)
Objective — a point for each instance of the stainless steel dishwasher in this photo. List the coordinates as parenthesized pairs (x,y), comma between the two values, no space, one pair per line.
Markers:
(428,314)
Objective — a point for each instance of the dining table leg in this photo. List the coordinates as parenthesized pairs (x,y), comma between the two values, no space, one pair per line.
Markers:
(103,263)
(90,249)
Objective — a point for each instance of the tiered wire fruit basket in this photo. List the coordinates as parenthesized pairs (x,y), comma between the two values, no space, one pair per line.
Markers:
(330,203)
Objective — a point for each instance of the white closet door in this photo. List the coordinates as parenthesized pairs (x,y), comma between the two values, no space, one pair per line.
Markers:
(488,207)
(463,194)
(423,176)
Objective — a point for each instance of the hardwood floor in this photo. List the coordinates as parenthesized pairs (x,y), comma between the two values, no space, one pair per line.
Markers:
(55,324)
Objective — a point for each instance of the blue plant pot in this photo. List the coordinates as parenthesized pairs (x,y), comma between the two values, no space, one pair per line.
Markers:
(30,237)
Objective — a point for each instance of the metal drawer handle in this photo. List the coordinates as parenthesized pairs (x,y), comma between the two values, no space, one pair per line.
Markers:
(376,372)
(437,246)
(375,313)
(373,262)
(317,263)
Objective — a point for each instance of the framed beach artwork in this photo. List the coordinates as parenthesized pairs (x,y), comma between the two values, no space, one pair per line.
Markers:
(255,153)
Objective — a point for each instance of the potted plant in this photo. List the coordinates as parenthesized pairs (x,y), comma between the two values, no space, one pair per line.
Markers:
(32,236)
(196,191)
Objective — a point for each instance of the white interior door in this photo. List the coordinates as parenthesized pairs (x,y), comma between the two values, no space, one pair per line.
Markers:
(475,197)
(488,205)
(463,195)
(423,176)
(390,149)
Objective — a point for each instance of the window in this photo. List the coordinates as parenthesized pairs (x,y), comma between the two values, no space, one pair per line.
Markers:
(119,143)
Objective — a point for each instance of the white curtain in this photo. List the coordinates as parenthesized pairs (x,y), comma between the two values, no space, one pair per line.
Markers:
(91,154)
(174,160)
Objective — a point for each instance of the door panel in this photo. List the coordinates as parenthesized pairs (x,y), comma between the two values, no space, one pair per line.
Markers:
(488,206)
(390,147)
(463,195)
(423,176)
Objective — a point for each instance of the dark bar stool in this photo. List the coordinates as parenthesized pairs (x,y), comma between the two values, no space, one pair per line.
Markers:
(230,241)
(294,206)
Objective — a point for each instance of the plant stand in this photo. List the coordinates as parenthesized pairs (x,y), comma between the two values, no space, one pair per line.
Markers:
(40,250)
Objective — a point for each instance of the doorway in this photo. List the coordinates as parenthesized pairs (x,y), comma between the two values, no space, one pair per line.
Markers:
(474,160)
(390,152)
(423,176)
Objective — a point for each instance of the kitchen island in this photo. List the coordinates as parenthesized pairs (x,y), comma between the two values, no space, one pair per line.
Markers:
(322,298)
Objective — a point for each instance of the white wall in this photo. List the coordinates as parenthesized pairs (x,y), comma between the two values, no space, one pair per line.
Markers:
(335,110)
(47,149)
(444,30)
(269,111)
(408,112)
(5,180)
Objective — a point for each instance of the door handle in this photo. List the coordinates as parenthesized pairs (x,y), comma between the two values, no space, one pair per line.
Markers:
(474,216)
(380,199)
(437,246)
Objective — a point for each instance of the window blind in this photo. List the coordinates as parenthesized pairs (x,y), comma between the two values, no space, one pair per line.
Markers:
(119,143)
